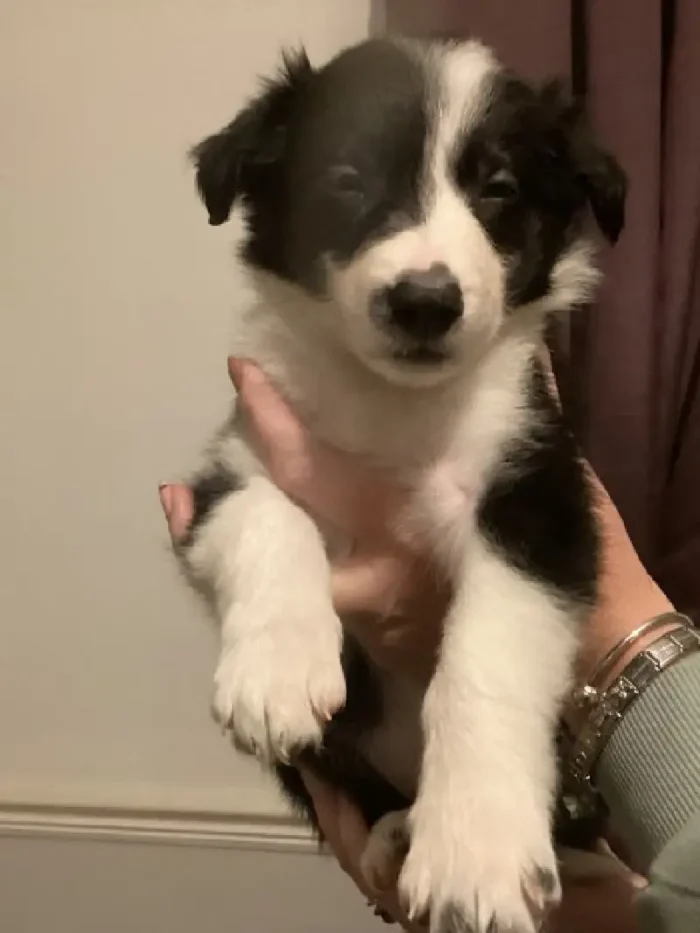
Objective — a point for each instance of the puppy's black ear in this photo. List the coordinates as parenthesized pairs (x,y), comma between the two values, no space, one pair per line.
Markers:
(599,172)
(231,163)
(606,186)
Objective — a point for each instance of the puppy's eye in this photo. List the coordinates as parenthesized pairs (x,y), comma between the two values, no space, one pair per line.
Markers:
(345,182)
(501,187)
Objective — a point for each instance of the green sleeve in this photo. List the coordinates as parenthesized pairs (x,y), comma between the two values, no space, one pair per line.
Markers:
(649,775)
(671,903)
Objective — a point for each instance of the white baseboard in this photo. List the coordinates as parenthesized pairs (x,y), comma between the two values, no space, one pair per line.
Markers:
(236,816)
(157,828)
(258,798)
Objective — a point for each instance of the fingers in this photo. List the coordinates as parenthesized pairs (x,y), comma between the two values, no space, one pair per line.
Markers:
(283,440)
(342,826)
(346,832)
(176,501)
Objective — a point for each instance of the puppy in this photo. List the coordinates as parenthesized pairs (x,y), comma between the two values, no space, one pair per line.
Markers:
(414,216)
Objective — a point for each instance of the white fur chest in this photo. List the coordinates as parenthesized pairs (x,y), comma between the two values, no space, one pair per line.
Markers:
(454,431)
(443,442)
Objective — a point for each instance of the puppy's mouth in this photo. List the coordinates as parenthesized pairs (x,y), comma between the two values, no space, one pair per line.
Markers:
(421,355)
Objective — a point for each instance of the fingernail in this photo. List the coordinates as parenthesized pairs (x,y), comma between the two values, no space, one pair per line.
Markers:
(166,498)
(235,371)
(244,373)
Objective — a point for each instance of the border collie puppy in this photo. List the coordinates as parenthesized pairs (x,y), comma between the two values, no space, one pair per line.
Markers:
(415,214)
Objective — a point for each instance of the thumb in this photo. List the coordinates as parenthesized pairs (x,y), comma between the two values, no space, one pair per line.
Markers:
(282,439)
(177,505)
(340,488)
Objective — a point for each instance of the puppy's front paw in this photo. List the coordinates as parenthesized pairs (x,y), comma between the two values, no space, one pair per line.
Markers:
(277,689)
(480,870)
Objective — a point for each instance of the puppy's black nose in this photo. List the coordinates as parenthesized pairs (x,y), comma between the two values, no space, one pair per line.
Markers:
(424,305)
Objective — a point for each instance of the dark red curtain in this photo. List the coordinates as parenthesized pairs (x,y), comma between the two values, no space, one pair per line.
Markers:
(636,354)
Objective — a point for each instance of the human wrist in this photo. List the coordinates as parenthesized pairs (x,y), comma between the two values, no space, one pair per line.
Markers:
(628,598)
(613,622)
(606,709)
(599,646)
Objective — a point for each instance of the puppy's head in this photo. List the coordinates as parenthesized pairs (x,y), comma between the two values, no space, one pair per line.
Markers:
(424,195)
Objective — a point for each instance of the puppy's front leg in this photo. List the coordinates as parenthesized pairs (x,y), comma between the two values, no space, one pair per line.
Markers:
(481,857)
(279,678)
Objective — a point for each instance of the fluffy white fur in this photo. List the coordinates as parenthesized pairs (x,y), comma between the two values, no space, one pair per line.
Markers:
(279,678)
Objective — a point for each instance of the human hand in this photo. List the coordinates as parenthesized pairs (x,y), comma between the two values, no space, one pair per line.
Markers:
(399,595)
(628,595)
(396,592)
(394,597)
(345,834)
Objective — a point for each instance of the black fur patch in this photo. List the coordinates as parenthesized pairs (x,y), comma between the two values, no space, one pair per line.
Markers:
(208,489)
(341,767)
(237,161)
(323,161)
(538,510)
(530,173)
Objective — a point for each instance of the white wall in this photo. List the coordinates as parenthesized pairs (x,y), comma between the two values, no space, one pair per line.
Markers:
(114,304)
(121,807)
(69,886)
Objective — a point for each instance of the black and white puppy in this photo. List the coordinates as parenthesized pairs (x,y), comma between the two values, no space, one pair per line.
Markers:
(414,214)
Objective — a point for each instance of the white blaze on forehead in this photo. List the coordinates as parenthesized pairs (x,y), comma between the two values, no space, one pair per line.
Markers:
(460,81)
(465,76)
(450,233)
